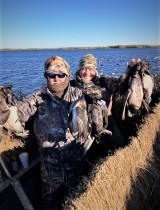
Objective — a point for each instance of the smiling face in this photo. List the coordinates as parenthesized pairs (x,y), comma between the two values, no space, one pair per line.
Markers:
(87,67)
(87,74)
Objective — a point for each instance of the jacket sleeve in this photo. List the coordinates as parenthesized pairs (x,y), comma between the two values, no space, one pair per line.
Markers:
(27,107)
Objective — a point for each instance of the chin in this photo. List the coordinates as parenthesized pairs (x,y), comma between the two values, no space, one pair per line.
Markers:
(87,79)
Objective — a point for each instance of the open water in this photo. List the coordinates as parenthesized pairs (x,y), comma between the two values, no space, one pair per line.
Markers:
(24,68)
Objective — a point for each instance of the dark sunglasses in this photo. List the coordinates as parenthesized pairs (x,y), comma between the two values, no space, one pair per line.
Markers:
(53,76)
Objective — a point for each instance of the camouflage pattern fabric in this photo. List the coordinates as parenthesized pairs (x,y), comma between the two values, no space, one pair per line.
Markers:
(56,63)
(88,61)
(60,184)
(59,151)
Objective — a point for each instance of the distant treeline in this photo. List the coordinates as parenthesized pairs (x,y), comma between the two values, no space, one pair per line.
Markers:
(85,48)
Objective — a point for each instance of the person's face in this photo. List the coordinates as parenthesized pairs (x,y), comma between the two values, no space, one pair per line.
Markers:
(87,73)
(56,77)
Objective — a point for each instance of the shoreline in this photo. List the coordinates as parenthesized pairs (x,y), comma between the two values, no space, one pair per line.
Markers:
(83,48)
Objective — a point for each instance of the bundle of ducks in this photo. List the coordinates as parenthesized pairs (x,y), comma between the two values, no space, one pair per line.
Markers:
(138,95)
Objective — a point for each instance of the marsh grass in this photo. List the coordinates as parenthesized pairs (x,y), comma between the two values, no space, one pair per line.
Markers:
(129,179)
(9,142)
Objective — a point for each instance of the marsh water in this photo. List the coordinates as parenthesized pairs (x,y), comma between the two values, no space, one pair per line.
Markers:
(24,68)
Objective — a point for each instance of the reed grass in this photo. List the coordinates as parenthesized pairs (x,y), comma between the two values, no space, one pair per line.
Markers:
(9,142)
(129,178)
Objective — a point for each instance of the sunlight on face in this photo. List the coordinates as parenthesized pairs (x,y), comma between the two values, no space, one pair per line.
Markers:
(87,74)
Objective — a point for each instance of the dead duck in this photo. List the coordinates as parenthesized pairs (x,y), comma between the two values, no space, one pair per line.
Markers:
(9,114)
(139,90)
(14,124)
(97,111)
(147,81)
(79,124)
(4,111)
(89,115)
(133,97)
(78,118)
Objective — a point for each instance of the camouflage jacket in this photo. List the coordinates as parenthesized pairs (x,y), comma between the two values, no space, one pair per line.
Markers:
(57,145)
(109,85)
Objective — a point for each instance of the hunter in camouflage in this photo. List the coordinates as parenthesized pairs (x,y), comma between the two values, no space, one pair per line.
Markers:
(61,157)
(87,77)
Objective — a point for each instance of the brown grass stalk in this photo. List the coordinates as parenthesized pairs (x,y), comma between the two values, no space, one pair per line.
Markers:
(9,142)
(126,179)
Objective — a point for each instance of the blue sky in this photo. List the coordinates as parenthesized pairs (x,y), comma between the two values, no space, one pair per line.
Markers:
(78,23)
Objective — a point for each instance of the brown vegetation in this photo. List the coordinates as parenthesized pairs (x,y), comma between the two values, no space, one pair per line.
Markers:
(9,142)
(9,145)
(127,180)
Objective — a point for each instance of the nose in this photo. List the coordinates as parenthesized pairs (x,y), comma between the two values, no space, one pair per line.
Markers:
(87,71)
(56,78)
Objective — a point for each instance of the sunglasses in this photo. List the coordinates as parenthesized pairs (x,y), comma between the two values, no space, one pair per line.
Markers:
(53,76)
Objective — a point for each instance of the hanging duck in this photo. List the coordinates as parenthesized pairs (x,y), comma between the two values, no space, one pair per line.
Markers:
(9,114)
(97,111)
(88,116)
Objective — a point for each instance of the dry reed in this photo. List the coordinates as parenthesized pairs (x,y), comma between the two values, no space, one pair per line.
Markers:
(124,180)
(8,142)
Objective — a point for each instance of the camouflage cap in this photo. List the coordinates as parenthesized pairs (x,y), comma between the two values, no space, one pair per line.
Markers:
(56,63)
(88,61)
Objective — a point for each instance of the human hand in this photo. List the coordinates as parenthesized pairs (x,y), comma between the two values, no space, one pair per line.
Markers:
(23,134)
(130,65)
(124,78)
(132,62)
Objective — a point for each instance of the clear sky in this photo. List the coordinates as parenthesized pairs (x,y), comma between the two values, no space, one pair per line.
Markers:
(78,23)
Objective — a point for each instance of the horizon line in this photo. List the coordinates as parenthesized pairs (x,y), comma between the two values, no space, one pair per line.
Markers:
(96,47)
